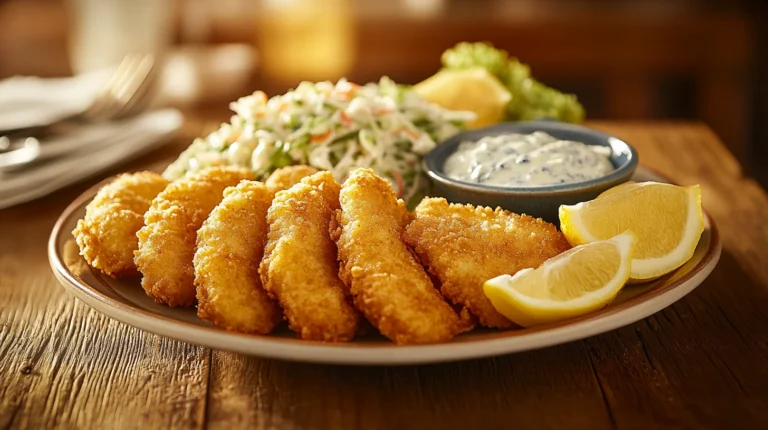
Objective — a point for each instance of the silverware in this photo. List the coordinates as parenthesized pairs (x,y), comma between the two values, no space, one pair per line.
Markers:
(124,95)
(24,152)
(125,90)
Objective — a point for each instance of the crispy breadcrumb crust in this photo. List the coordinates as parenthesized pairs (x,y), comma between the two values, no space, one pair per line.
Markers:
(299,266)
(286,177)
(106,235)
(230,245)
(388,285)
(167,240)
(463,246)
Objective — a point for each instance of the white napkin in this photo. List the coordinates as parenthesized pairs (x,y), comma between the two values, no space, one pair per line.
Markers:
(86,151)
(29,101)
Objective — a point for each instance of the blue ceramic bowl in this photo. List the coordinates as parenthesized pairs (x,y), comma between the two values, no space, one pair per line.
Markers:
(540,202)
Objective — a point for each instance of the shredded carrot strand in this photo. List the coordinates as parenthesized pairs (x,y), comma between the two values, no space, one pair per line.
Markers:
(412,134)
(345,119)
(321,137)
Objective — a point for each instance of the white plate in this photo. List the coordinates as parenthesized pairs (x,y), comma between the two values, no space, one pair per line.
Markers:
(125,301)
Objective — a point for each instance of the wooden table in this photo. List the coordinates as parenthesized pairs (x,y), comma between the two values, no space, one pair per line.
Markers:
(701,363)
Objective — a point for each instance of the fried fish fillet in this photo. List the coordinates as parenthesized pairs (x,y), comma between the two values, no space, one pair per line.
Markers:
(167,240)
(388,285)
(286,177)
(463,246)
(299,266)
(107,234)
(230,245)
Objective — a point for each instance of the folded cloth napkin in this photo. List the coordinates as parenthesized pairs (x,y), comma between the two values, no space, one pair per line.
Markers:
(85,151)
(30,101)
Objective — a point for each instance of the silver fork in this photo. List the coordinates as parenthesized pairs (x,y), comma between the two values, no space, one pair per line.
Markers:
(122,96)
(125,89)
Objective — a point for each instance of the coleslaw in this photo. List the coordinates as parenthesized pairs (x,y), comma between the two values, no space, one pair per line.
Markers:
(334,127)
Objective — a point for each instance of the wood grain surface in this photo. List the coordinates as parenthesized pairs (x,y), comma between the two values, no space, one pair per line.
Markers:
(701,363)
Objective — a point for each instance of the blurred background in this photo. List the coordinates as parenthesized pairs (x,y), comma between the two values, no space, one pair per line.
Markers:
(625,59)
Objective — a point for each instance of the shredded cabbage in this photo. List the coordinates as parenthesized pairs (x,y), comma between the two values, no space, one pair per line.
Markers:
(383,126)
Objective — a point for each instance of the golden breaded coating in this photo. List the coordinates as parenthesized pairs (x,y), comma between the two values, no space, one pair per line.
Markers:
(388,285)
(167,240)
(107,234)
(230,245)
(463,246)
(286,177)
(299,266)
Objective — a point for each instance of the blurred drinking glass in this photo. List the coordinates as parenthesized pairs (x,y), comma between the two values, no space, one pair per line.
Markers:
(306,39)
(102,32)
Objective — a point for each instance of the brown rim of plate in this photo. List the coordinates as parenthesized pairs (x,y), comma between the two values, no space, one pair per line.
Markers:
(486,334)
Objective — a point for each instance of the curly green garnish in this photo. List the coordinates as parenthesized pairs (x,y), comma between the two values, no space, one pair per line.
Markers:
(530,98)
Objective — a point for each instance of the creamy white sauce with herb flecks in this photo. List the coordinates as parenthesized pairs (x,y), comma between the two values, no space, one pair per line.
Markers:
(527,160)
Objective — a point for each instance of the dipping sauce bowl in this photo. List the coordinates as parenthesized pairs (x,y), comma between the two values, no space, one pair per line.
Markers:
(540,201)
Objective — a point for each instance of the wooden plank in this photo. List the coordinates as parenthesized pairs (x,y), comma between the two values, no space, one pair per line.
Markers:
(64,365)
(688,366)
(703,362)
(553,388)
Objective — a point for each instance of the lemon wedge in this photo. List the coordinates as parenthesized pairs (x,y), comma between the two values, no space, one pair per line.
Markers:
(667,219)
(473,90)
(578,281)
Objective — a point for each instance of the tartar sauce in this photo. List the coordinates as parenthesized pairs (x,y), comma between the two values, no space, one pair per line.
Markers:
(527,160)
